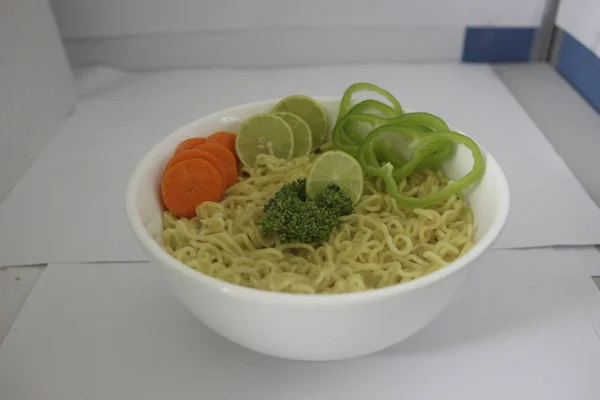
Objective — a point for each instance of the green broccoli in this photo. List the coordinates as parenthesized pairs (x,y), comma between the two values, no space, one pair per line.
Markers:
(296,218)
(334,199)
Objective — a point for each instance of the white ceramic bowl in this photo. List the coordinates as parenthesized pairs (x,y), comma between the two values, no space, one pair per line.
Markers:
(308,327)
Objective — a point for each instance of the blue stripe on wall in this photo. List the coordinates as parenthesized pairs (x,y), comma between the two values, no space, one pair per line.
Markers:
(497,44)
(581,67)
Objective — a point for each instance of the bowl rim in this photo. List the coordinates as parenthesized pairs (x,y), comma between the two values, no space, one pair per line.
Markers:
(154,250)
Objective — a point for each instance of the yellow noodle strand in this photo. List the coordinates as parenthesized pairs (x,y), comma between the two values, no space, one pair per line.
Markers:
(379,245)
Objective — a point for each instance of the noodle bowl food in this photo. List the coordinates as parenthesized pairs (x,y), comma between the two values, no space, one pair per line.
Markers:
(378,245)
(286,225)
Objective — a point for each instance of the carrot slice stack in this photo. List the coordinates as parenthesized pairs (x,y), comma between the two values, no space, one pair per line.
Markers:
(226,139)
(204,155)
(189,183)
(226,157)
(223,138)
(189,144)
(200,170)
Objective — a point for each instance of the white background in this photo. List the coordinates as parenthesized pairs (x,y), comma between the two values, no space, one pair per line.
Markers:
(35,93)
(581,18)
(157,34)
(36,86)
(93,18)
(521,327)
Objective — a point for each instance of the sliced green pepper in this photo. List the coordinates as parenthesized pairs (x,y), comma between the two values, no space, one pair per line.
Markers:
(368,159)
(424,119)
(428,137)
(434,154)
(441,150)
(348,138)
(386,172)
(340,137)
(445,151)
(346,102)
(362,108)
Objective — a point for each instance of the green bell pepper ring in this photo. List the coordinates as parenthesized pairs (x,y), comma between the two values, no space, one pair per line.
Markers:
(386,171)
(429,155)
(424,119)
(367,157)
(363,108)
(340,138)
(443,149)
(420,121)
(346,102)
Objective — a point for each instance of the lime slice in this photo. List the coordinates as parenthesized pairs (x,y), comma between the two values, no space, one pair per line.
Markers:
(264,134)
(336,167)
(301,133)
(310,111)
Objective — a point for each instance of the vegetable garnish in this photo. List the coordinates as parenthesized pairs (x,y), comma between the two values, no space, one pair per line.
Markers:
(204,155)
(389,174)
(189,144)
(425,122)
(400,144)
(372,137)
(346,102)
(226,139)
(189,183)
(294,217)
(226,157)
(366,107)
(300,132)
(314,212)
(310,111)
(338,168)
(264,134)
(396,133)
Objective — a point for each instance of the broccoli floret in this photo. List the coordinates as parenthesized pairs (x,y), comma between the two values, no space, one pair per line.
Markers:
(296,218)
(333,198)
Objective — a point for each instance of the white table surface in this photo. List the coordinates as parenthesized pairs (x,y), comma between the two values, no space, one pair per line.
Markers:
(524,325)
(526,84)
(570,124)
(15,285)
(70,202)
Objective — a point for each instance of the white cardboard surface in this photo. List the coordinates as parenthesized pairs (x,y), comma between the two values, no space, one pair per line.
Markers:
(15,285)
(544,93)
(89,18)
(269,47)
(154,34)
(518,330)
(70,205)
(37,90)
(590,257)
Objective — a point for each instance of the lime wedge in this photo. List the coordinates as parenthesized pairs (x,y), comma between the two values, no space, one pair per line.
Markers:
(336,167)
(301,133)
(310,111)
(264,134)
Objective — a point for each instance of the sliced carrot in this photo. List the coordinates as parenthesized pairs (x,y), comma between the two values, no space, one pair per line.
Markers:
(189,144)
(188,184)
(205,155)
(225,138)
(226,157)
